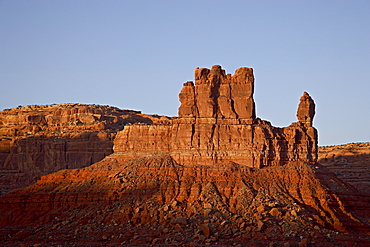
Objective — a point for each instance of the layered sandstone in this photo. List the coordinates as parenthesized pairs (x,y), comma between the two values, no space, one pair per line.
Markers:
(38,140)
(219,95)
(216,175)
(217,124)
(350,162)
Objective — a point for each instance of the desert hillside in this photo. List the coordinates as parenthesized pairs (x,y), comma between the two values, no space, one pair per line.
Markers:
(350,162)
(216,175)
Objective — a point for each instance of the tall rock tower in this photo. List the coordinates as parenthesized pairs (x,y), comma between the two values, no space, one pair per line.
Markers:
(219,95)
(306,110)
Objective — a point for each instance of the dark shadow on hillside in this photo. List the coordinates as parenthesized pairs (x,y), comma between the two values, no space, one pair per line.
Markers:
(353,169)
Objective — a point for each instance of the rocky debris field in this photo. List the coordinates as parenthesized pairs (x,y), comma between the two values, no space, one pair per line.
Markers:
(153,201)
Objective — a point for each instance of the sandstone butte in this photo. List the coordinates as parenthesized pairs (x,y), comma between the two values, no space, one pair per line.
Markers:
(214,175)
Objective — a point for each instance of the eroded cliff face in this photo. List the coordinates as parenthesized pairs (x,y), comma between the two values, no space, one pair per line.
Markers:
(216,175)
(217,124)
(38,140)
(219,95)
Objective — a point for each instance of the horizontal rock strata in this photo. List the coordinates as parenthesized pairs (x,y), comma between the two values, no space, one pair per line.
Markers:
(215,141)
(215,175)
(38,140)
(217,124)
(219,95)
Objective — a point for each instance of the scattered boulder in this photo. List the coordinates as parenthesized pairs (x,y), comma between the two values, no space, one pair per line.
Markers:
(206,230)
(260,225)
(275,212)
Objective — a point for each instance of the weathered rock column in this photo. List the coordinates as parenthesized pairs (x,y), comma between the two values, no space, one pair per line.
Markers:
(219,95)
(188,107)
(242,89)
(306,110)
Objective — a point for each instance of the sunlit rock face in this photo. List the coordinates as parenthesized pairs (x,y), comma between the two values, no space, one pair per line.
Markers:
(37,140)
(306,109)
(216,174)
(217,124)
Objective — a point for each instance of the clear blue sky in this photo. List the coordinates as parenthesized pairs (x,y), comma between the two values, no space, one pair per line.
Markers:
(137,54)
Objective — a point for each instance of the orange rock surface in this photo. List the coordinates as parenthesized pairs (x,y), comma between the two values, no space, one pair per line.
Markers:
(306,109)
(217,124)
(216,175)
(219,95)
(38,140)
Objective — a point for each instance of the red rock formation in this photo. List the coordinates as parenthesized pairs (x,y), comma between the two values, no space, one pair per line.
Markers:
(229,203)
(194,141)
(187,99)
(306,109)
(216,176)
(219,95)
(38,140)
(217,124)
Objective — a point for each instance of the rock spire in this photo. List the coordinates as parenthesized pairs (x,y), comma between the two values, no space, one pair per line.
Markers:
(306,109)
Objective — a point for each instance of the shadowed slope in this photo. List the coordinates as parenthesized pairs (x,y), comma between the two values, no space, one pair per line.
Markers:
(277,201)
(350,162)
